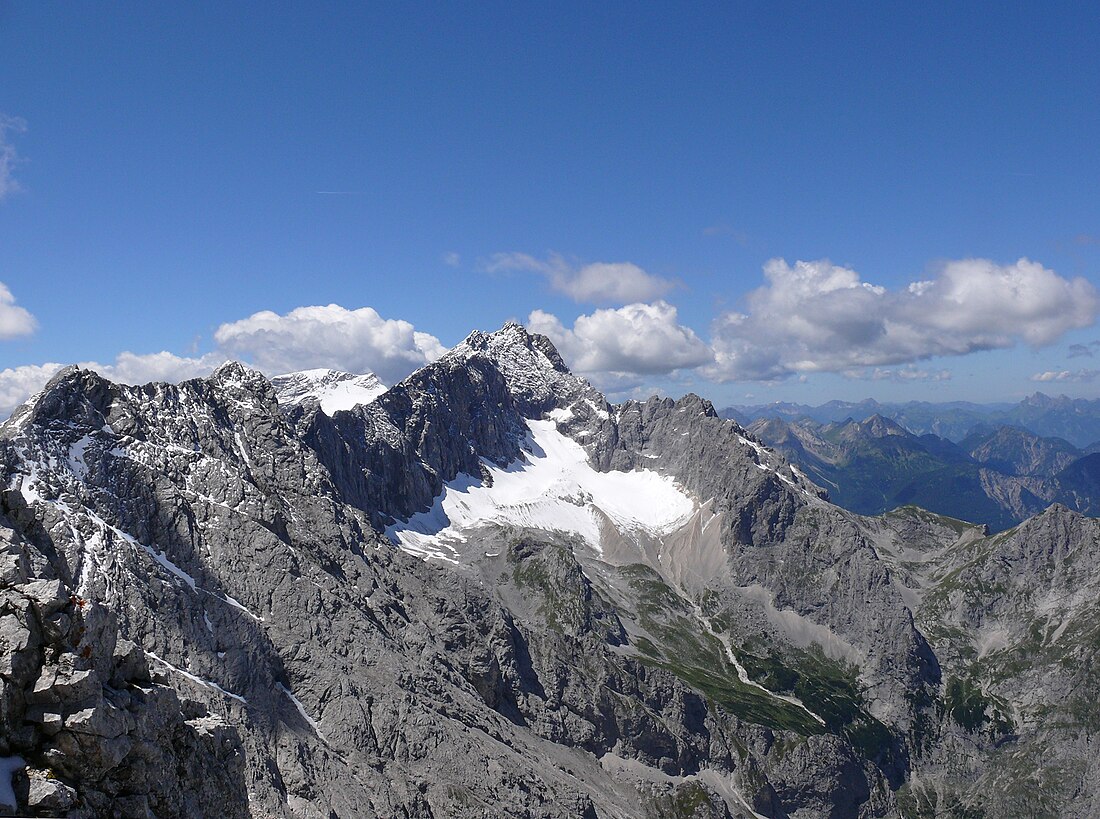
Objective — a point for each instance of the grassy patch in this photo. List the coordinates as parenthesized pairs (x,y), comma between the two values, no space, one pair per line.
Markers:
(682,645)
(829,689)
(911,512)
(689,800)
(974,710)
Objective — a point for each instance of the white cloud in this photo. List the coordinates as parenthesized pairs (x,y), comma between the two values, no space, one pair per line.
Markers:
(17,384)
(1066,375)
(14,320)
(597,283)
(329,336)
(817,316)
(643,339)
(451,259)
(354,340)
(132,368)
(8,156)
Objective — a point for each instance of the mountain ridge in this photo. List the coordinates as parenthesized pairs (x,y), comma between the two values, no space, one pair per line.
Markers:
(1076,420)
(771,655)
(997,477)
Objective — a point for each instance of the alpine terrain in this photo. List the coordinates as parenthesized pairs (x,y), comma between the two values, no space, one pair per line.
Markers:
(997,477)
(487,592)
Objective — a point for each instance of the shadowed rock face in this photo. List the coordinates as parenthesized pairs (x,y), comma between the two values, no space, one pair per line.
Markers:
(199,616)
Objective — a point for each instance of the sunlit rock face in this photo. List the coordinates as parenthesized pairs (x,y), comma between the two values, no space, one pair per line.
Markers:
(486,591)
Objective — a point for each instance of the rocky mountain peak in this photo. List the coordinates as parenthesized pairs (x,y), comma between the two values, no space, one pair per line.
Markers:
(332,390)
(74,397)
(537,377)
(879,426)
(1043,401)
(235,373)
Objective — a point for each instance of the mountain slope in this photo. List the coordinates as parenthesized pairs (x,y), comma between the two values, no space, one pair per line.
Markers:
(1016,451)
(585,610)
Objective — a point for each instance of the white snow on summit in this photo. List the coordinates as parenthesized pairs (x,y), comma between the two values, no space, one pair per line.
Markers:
(553,488)
(334,390)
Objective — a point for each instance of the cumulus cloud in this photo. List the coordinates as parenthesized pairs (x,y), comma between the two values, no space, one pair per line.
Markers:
(817,316)
(597,283)
(17,384)
(639,339)
(329,336)
(132,368)
(14,320)
(1066,375)
(8,157)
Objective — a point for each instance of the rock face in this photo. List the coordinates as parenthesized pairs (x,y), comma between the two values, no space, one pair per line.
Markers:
(201,613)
(1015,451)
(101,731)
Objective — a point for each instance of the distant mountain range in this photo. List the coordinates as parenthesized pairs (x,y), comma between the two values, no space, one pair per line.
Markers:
(1076,420)
(995,476)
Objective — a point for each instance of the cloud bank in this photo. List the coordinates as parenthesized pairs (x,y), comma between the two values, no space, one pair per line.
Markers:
(808,317)
(1067,375)
(597,283)
(357,341)
(820,317)
(905,374)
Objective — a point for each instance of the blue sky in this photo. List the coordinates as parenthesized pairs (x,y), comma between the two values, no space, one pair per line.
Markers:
(620,177)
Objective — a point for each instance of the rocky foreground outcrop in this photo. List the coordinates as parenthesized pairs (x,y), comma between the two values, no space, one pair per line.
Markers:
(98,730)
(201,615)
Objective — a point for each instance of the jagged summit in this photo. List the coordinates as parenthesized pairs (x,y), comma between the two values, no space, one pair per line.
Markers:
(514,335)
(72,395)
(537,377)
(231,370)
(332,390)
(880,426)
(1044,401)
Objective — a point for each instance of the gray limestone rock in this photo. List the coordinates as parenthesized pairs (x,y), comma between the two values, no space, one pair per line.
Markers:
(201,615)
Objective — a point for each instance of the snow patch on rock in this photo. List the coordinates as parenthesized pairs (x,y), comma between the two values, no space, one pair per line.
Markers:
(552,488)
(335,391)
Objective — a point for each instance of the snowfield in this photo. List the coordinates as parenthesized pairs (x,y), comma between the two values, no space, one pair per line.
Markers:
(334,390)
(553,488)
